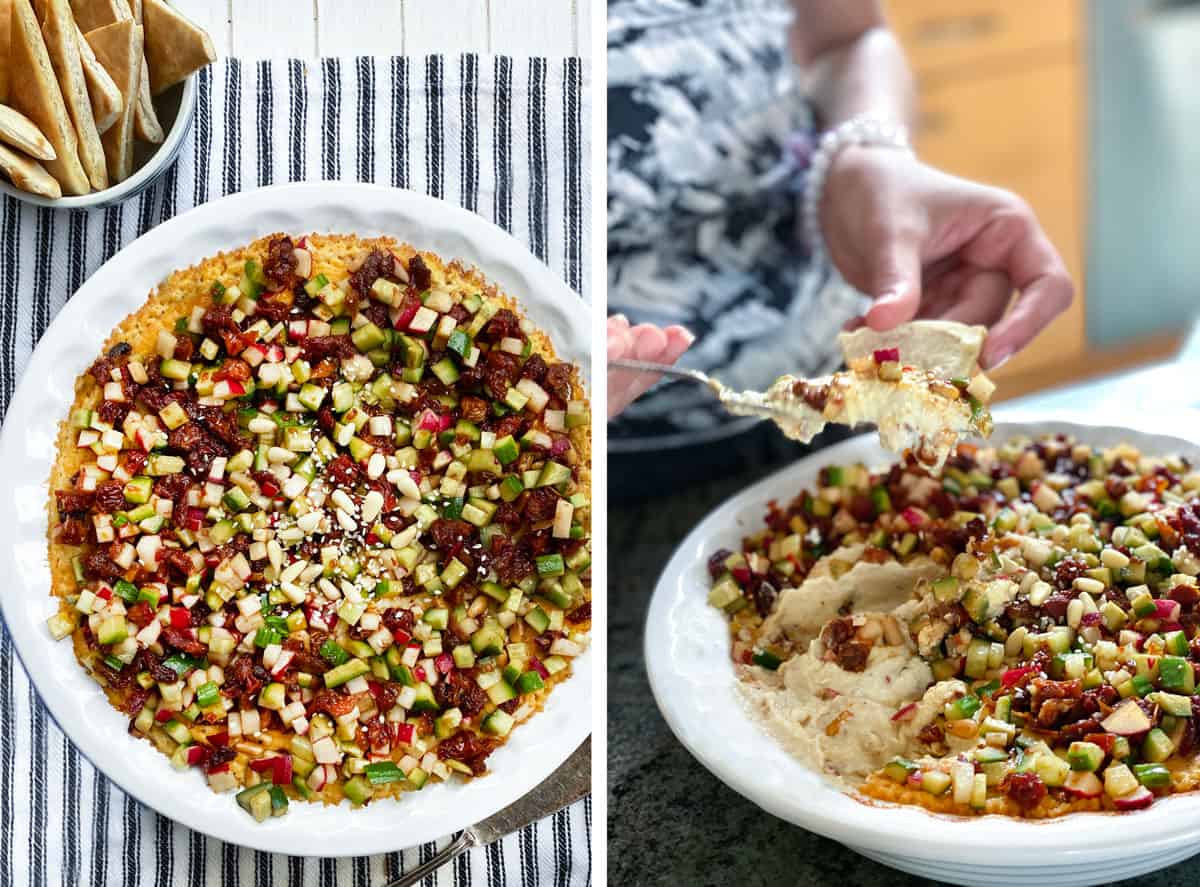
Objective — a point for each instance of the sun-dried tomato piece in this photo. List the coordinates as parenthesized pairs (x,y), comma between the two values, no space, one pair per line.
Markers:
(540,504)
(182,641)
(558,381)
(73,501)
(332,703)
(279,266)
(419,273)
(467,748)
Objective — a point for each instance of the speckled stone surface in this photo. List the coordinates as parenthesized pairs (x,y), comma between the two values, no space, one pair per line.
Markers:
(671,822)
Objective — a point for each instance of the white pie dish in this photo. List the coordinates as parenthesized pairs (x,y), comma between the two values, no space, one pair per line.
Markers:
(693,682)
(43,398)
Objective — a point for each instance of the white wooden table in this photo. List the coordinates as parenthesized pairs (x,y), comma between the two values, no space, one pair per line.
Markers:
(254,29)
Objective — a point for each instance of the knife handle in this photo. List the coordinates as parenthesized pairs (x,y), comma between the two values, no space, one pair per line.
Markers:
(460,845)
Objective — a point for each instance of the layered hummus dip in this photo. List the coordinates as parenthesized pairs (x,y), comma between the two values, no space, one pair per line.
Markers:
(1016,634)
(320,520)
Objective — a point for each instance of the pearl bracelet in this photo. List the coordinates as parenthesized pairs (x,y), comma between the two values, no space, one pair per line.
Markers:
(865,129)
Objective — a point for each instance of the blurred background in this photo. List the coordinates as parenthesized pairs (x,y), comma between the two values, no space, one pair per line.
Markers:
(1087,109)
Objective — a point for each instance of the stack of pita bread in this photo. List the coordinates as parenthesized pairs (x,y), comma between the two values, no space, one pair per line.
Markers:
(77,81)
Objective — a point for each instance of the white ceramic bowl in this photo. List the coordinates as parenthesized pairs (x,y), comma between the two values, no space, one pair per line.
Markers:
(43,399)
(176,107)
(692,677)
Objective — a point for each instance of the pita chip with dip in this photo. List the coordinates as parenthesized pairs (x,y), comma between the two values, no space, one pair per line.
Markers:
(918,383)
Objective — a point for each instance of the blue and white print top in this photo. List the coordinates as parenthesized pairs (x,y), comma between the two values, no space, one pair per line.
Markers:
(705,124)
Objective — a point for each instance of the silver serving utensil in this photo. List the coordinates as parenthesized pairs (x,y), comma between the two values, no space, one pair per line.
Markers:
(646,366)
(740,403)
(564,786)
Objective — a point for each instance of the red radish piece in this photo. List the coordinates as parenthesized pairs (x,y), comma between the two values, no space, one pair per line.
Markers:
(262,765)
(283,770)
(1139,799)
(1084,784)
(221,738)
(1127,719)
(164,714)
(180,618)
(1166,609)
(405,732)
(906,713)
(444,663)
(404,318)
(1106,741)
(281,664)
(741,574)
(297,329)
(883,355)
(914,517)
(196,754)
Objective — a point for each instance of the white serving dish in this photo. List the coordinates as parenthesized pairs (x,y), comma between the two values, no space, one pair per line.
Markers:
(43,398)
(692,677)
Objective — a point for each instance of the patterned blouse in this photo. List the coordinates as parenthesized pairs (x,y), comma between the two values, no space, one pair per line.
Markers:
(705,128)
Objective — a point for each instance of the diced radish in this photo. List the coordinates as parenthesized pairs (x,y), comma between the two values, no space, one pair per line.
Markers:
(430,421)
(883,355)
(906,713)
(282,662)
(297,329)
(404,318)
(164,714)
(1012,676)
(262,765)
(283,770)
(180,618)
(444,663)
(196,754)
(1127,719)
(914,517)
(221,738)
(1139,799)
(1166,609)
(1084,784)
(405,732)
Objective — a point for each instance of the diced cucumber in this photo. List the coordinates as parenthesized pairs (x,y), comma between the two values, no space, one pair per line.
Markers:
(338,675)
(256,801)
(358,790)
(489,640)
(424,700)
(553,474)
(497,723)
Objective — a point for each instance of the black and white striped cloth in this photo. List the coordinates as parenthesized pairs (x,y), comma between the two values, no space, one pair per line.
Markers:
(505,137)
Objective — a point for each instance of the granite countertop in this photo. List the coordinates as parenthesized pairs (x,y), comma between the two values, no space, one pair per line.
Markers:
(671,822)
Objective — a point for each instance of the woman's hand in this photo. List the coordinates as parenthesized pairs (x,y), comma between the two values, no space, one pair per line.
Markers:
(924,244)
(641,342)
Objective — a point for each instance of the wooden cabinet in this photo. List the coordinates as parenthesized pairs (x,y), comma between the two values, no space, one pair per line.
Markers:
(1002,101)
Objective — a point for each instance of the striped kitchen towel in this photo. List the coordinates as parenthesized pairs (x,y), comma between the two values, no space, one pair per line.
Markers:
(505,137)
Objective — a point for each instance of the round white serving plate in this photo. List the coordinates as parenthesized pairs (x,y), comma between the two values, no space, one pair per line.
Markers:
(44,397)
(692,677)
